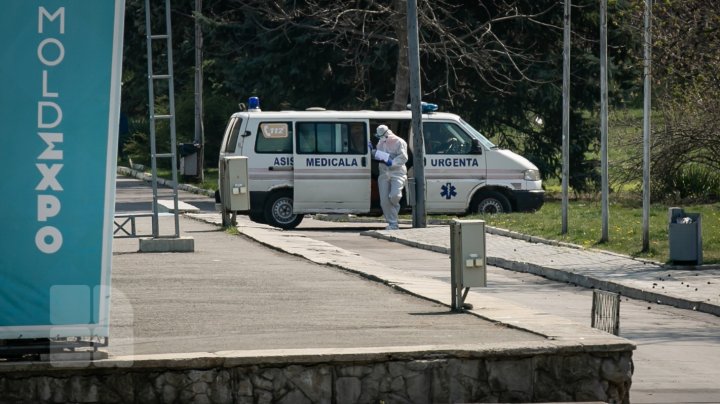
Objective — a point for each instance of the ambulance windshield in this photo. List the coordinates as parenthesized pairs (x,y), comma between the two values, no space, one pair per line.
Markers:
(476,134)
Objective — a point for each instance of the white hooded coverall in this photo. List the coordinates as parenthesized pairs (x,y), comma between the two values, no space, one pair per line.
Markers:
(391,179)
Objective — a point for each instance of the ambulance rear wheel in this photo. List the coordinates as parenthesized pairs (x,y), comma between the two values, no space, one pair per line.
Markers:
(491,202)
(279,211)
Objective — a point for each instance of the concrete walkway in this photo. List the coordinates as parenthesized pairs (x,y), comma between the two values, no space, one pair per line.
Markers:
(558,330)
(693,288)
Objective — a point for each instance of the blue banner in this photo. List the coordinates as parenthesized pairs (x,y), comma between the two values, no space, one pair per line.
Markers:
(59,104)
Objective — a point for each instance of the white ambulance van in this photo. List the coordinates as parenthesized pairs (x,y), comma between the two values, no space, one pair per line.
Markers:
(318,161)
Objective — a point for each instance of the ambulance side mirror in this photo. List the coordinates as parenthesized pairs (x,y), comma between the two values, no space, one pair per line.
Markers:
(476,147)
(246,134)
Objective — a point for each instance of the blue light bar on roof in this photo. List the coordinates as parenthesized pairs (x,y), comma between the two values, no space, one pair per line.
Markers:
(253,104)
(428,107)
(425,107)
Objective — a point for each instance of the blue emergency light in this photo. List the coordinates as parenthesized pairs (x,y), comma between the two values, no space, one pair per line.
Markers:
(425,107)
(428,107)
(253,104)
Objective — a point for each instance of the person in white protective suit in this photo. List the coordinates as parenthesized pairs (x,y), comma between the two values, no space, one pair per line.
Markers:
(392,153)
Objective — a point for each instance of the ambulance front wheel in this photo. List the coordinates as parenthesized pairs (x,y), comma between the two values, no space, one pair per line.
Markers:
(257,216)
(279,211)
(491,202)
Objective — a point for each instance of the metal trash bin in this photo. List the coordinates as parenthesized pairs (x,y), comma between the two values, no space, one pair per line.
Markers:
(189,159)
(685,237)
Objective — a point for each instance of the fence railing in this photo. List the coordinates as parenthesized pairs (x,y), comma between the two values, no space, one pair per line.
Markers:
(606,311)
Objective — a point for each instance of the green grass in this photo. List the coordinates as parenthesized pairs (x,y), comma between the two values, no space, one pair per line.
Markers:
(624,231)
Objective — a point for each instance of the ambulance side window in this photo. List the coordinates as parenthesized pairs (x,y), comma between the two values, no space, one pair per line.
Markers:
(231,134)
(331,138)
(274,137)
(445,138)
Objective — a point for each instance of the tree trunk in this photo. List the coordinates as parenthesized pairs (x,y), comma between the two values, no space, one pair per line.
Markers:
(402,74)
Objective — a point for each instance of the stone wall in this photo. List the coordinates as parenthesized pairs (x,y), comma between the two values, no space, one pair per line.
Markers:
(438,377)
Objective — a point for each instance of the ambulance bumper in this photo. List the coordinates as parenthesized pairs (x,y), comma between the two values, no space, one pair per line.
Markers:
(528,201)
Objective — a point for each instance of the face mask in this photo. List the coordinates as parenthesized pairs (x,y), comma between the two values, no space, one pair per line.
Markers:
(382,134)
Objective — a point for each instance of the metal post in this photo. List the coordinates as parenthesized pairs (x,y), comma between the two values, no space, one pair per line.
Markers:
(419,215)
(151,113)
(173,130)
(455,303)
(457,298)
(604,119)
(566,117)
(646,127)
(199,128)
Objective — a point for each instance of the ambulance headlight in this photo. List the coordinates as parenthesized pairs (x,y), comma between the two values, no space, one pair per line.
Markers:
(532,175)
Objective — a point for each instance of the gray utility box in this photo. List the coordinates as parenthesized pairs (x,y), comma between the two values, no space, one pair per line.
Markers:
(234,192)
(467,259)
(685,236)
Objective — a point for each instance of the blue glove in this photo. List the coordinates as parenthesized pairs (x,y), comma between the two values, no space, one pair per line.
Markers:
(370,146)
(388,162)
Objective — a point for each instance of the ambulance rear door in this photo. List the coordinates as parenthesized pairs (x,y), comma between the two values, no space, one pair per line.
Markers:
(332,167)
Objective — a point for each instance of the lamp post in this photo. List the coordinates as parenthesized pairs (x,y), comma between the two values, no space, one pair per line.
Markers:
(646,126)
(604,119)
(566,117)
(419,214)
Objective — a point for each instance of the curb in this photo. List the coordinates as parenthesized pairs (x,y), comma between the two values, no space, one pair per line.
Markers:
(498,232)
(594,283)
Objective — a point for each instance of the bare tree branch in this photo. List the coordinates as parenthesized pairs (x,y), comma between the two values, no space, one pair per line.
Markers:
(449,38)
